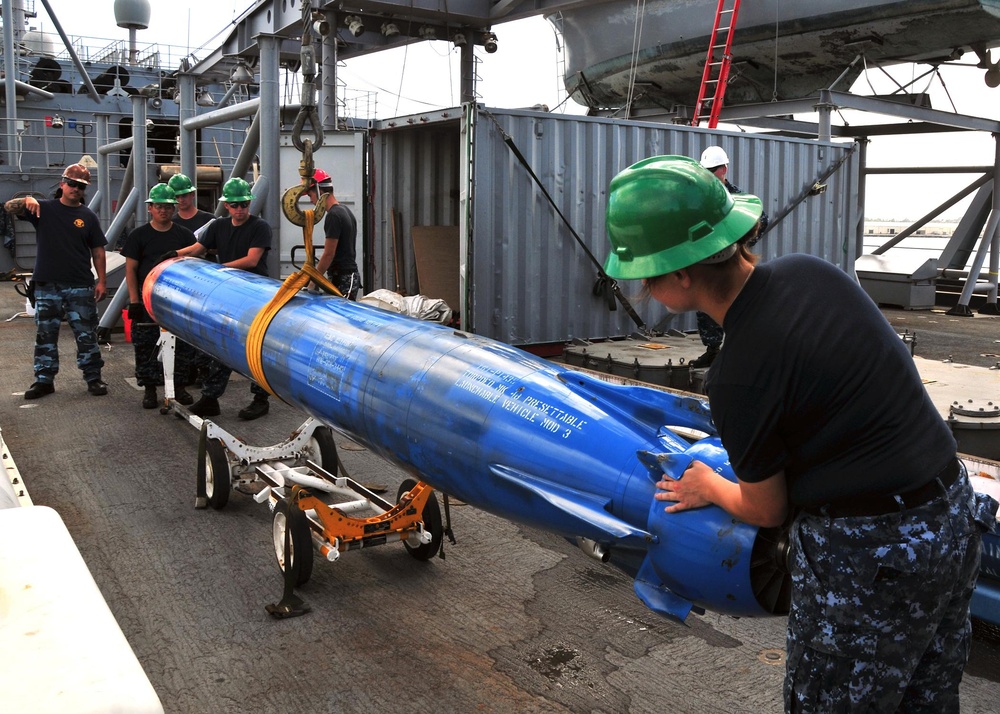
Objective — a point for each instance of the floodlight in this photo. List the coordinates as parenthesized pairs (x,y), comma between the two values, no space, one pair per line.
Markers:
(355,24)
(241,74)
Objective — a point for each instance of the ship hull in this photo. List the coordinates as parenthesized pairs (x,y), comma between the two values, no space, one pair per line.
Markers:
(781,50)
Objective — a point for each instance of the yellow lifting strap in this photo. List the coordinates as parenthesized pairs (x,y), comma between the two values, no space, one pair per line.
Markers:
(293,283)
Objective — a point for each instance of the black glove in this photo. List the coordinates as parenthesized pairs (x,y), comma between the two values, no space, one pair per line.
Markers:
(167,256)
(136,312)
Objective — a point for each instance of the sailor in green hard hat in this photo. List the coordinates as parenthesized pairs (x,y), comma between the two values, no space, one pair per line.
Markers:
(142,250)
(667,213)
(188,214)
(826,424)
(243,242)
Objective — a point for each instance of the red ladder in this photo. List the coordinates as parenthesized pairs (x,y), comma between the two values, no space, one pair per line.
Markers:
(713,79)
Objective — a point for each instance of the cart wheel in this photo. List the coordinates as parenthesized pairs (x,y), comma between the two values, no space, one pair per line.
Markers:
(217,477)
(432,522)
(290,516)
(323,450)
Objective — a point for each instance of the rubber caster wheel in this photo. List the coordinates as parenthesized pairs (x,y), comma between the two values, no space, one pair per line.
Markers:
(322,450)
(290,518)
(431,517)
(218,482)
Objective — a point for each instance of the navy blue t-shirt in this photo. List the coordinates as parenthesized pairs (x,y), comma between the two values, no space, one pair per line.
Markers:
(234,242)
(814,381)
(341,225)
(64,237)
(147,245)
(194,222)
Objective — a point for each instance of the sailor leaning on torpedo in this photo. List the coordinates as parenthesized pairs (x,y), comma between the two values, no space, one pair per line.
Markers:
(885,542)
(243,242)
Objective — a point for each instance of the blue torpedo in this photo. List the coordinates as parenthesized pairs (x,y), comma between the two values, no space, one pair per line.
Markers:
(505,431)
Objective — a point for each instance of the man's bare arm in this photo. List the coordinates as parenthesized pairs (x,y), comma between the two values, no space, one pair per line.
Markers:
(15,206)
(20,206)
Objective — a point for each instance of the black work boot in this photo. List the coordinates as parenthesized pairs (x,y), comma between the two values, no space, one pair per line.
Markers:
(257,408)
(183,396)
(706,359)
(97,387)
(206,407)
(150,399)
(39,389)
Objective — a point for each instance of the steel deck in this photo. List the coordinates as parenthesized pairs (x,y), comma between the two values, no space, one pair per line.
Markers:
(513,619)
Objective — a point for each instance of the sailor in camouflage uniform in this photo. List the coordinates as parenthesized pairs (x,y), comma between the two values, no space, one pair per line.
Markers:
(142,250)
(69,239)
(885,529)
(881,616)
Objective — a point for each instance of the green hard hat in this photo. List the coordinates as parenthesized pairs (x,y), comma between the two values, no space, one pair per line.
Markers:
(236,190)
(668,212)
(161,193)
(181,184)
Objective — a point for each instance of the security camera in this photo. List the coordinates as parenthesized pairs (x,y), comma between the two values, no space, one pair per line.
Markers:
(489,42)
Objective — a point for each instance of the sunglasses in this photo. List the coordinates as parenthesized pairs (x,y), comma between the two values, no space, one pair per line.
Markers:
(75,184)
(239,204)
(162,206)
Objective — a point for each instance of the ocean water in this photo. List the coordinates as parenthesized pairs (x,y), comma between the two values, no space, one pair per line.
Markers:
(925,246)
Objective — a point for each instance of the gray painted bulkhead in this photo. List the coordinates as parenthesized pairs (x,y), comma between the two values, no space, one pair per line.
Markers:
(342,155)
(524,277)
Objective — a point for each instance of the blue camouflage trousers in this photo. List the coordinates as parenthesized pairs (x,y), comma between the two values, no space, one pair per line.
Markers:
(148,368)
(347,283)
(880,606)
(53,302)
(217,380)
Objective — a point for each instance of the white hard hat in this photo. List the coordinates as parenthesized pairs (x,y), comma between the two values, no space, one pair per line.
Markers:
(714,156)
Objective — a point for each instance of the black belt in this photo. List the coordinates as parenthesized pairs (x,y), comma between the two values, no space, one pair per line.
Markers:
(881,505)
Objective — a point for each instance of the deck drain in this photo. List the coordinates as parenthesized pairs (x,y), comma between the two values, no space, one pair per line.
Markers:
(772,657)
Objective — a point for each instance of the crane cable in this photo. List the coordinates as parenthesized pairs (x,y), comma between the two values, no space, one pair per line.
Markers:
(306,219)
(640,14)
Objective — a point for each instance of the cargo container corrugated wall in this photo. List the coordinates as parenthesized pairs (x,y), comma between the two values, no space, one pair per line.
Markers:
(488,229)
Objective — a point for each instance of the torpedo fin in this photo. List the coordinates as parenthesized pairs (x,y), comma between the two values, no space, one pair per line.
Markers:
(658,598)
(652,407)
(570,511)
(664,464)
